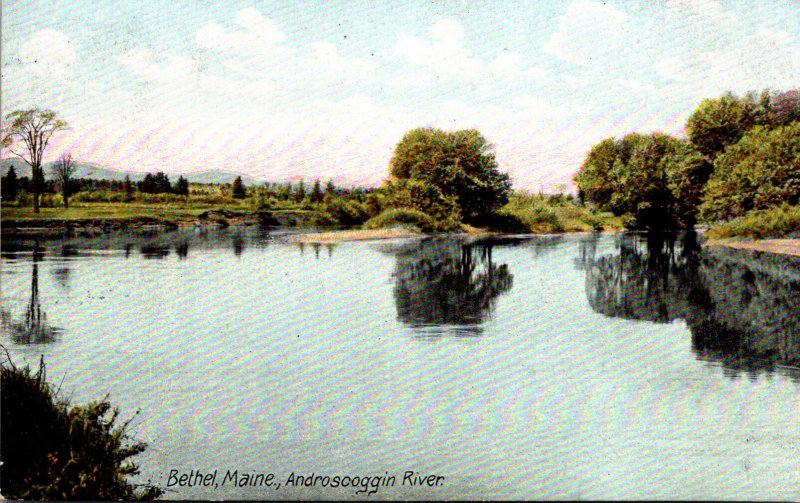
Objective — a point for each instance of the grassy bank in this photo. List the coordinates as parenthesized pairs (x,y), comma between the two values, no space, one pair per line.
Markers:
(778,222)
(54,451)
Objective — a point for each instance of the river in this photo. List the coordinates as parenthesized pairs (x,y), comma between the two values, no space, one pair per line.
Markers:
(545,367)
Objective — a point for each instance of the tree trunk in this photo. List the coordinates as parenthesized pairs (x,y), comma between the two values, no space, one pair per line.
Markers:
(35,186)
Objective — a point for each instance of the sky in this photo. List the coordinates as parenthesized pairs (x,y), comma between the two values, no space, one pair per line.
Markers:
(287,90)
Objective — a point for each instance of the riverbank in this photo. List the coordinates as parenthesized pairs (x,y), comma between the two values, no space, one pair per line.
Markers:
(101,220)
(42,226)
(779,246)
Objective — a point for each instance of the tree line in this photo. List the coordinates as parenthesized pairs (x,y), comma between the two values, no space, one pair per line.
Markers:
(740,154)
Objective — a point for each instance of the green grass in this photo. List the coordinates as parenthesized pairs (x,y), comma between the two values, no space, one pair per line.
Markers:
(781,221)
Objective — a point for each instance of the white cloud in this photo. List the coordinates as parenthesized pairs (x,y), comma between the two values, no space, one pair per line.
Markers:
(49,53)
(258,36)
(587,31)
(159,70)
(444,53)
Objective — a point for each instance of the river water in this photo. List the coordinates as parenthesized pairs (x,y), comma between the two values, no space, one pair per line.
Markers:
(571,366)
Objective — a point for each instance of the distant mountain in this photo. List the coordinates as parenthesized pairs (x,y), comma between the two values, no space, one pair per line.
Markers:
(88,170)
(214,176)
(82,170)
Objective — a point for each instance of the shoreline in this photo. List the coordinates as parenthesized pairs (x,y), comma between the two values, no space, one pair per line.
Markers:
(779,246)
(53,228)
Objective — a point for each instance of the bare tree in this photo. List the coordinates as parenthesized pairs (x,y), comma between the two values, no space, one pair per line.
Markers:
(63,172)
(33,128)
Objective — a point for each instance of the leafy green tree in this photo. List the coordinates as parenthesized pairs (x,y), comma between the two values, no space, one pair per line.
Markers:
(594,179)
(33,128)
(653,181)
(416,194)
(460,164)
(10,185)
(239,191)
(761,171)
(717,123)
(785,108)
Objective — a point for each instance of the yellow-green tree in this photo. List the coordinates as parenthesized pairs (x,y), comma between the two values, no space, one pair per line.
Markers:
(26,135)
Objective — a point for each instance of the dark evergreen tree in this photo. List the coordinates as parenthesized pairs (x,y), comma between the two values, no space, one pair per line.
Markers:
(10,185)
(127,186)
(300,194)
(316,192)
(182,186)
(239,191)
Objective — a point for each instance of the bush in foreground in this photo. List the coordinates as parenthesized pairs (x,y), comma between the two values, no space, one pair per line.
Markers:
(56,452)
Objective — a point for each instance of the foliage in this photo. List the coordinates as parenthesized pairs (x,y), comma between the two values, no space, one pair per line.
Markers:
(155,184)
(238,191)
(460,164)
(652,181)
(9,185)
(53,451)
(406,217)
(760,171)
(424,197)
(778,221)
(33,128)
(340,211)
(181,186)
(785,108)
(527,212)
(64,171)
(316,192)
(717,123)
(300,194)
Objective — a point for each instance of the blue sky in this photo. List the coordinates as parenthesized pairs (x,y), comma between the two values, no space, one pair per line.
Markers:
(326,89)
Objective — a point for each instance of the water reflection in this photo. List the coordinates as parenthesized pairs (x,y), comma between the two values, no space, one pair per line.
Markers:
(447,286)
(740,306)
(33,328)
(154,251)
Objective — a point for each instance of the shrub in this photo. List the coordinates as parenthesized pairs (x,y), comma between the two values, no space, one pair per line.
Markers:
(410,217)
(56,452)
(343,212)
(780,221)
(424,197)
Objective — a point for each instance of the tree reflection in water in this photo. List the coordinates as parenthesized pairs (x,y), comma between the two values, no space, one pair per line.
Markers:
(446,286)
(33,328)
(740,306)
